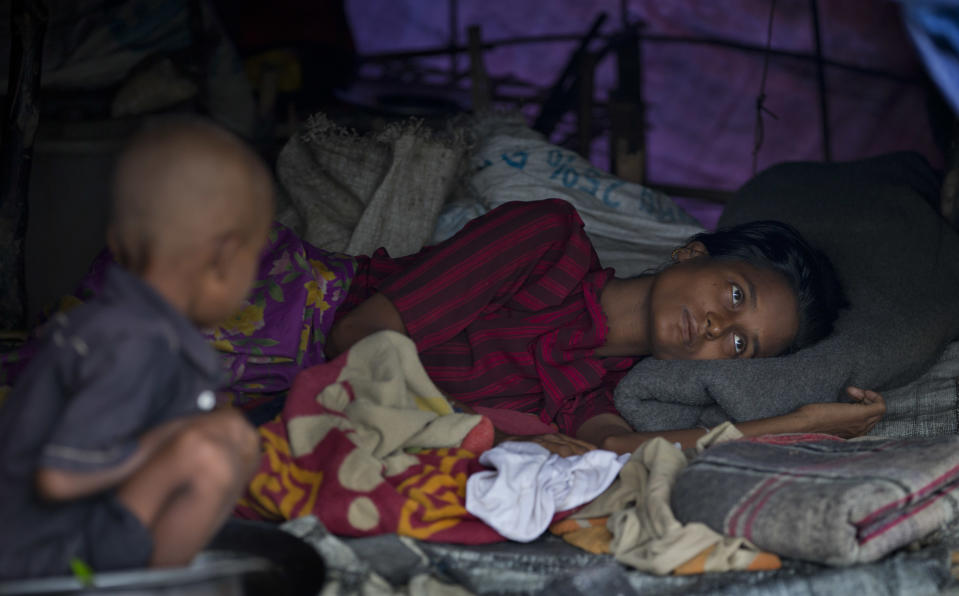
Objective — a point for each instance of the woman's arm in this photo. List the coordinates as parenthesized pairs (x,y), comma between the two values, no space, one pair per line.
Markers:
(846,420)
(376,313)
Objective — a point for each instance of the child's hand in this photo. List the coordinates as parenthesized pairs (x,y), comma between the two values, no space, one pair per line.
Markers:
(844,419)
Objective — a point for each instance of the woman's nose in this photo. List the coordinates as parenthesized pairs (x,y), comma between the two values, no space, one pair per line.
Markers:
(715,325)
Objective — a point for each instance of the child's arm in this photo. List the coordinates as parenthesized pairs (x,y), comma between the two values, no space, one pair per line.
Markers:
(112,394)
(56,484)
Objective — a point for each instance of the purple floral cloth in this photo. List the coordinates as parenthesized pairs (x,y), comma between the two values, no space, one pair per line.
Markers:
(283,324)
(280,329)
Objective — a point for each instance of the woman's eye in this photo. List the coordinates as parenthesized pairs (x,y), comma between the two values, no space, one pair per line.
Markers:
(737,295)
(739,343)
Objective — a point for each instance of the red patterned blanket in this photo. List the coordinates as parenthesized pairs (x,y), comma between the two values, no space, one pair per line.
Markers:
(369,445)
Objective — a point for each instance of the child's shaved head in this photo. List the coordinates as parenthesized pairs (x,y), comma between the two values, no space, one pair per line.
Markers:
(180,184)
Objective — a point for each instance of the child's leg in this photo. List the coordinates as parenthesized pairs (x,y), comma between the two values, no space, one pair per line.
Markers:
(186,490)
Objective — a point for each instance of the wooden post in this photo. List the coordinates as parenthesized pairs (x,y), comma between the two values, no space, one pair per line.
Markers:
(28,22)
(562,95)
(479,79)
(584,120)
(627,126)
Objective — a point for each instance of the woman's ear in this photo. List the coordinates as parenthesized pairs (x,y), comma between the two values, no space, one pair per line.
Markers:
(691,250)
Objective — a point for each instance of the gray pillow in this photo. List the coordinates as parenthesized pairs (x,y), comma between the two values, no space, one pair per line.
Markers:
(898,261)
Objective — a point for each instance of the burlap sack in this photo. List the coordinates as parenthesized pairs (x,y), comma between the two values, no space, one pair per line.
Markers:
(349,193)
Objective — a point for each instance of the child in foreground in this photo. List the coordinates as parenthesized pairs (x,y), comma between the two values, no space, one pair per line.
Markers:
(111,450)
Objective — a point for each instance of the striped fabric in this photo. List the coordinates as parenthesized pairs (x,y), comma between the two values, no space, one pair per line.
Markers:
(506,313)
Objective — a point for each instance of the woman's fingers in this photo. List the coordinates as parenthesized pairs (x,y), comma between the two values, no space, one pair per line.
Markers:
(875,404)
(866,396)
(875,399)
(586,446)
(565,445)
(562,445)
(856,393)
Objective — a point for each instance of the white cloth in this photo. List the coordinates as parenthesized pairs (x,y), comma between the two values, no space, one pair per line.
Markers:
(528,485)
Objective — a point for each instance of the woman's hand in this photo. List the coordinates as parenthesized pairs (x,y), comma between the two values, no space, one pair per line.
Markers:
(376,313)
(561,445)
(844,419)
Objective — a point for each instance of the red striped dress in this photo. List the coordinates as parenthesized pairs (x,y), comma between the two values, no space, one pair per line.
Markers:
(506,313)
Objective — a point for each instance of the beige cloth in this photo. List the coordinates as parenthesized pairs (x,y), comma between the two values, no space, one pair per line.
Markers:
(396,405)
(646,535)
(348,193)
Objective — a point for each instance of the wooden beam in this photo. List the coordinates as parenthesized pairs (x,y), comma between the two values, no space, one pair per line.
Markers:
(654,38)
(694,192)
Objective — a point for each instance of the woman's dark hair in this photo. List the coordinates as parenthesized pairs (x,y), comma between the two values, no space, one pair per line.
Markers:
(778,246)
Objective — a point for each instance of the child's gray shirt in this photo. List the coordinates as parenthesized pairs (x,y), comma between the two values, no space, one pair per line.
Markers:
(107,372)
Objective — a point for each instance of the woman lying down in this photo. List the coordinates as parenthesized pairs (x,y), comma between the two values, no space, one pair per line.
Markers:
(515,312)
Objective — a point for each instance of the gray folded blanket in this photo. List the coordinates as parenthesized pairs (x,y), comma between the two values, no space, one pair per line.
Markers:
(823,499)
(898,261)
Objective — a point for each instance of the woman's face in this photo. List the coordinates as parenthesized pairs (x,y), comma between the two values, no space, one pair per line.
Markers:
(705,309)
